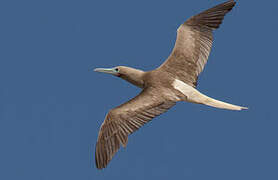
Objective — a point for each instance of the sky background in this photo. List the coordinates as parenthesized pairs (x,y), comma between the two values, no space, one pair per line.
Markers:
(51,107)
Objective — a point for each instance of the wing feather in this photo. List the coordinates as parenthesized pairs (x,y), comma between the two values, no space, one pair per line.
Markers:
(126,119)
(194,42)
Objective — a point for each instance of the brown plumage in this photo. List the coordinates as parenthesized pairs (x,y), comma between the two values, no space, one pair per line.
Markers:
(193,44)
(175,80)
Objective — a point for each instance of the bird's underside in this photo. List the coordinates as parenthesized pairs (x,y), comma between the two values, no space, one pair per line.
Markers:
(175,80)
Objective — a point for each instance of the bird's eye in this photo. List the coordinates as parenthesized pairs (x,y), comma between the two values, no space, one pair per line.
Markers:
(116,69)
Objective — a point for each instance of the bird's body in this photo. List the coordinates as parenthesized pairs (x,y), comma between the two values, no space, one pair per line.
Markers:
(175,80)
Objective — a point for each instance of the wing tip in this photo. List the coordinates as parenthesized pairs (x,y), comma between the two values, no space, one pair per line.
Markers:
(212,18)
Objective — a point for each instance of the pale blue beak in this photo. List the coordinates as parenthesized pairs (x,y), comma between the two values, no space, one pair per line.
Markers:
(106,70)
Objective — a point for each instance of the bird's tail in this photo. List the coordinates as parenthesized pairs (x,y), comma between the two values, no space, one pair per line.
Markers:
(193,95)
(219,104)
(197,97)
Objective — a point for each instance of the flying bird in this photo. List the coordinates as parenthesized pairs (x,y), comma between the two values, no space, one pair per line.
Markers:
(175,80)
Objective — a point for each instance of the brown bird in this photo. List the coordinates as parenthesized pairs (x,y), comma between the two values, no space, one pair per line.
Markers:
(175,80)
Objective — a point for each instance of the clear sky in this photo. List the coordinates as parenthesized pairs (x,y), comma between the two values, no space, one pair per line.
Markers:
(51,107)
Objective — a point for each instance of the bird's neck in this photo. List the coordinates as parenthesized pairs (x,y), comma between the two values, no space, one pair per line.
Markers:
(135,77)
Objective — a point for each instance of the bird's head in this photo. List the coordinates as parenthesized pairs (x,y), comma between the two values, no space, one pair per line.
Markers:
(114,71)
(129,74)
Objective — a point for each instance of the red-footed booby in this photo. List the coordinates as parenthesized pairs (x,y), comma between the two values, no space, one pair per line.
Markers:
(175,80)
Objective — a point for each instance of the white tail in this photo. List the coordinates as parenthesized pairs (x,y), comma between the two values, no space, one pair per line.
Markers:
(193,95)
(219,104)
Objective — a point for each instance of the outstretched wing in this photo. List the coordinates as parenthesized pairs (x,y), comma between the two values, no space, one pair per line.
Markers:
(124,120)
(194,42)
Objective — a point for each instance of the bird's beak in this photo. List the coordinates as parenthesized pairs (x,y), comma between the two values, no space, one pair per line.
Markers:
(106,70)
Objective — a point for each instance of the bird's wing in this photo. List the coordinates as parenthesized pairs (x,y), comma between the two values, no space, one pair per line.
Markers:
(194,42)
(124,120)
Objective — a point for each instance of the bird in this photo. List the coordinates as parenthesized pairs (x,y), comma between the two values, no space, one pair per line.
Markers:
(173,81)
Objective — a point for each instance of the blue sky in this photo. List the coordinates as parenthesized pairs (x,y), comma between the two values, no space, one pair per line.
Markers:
(51,107)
